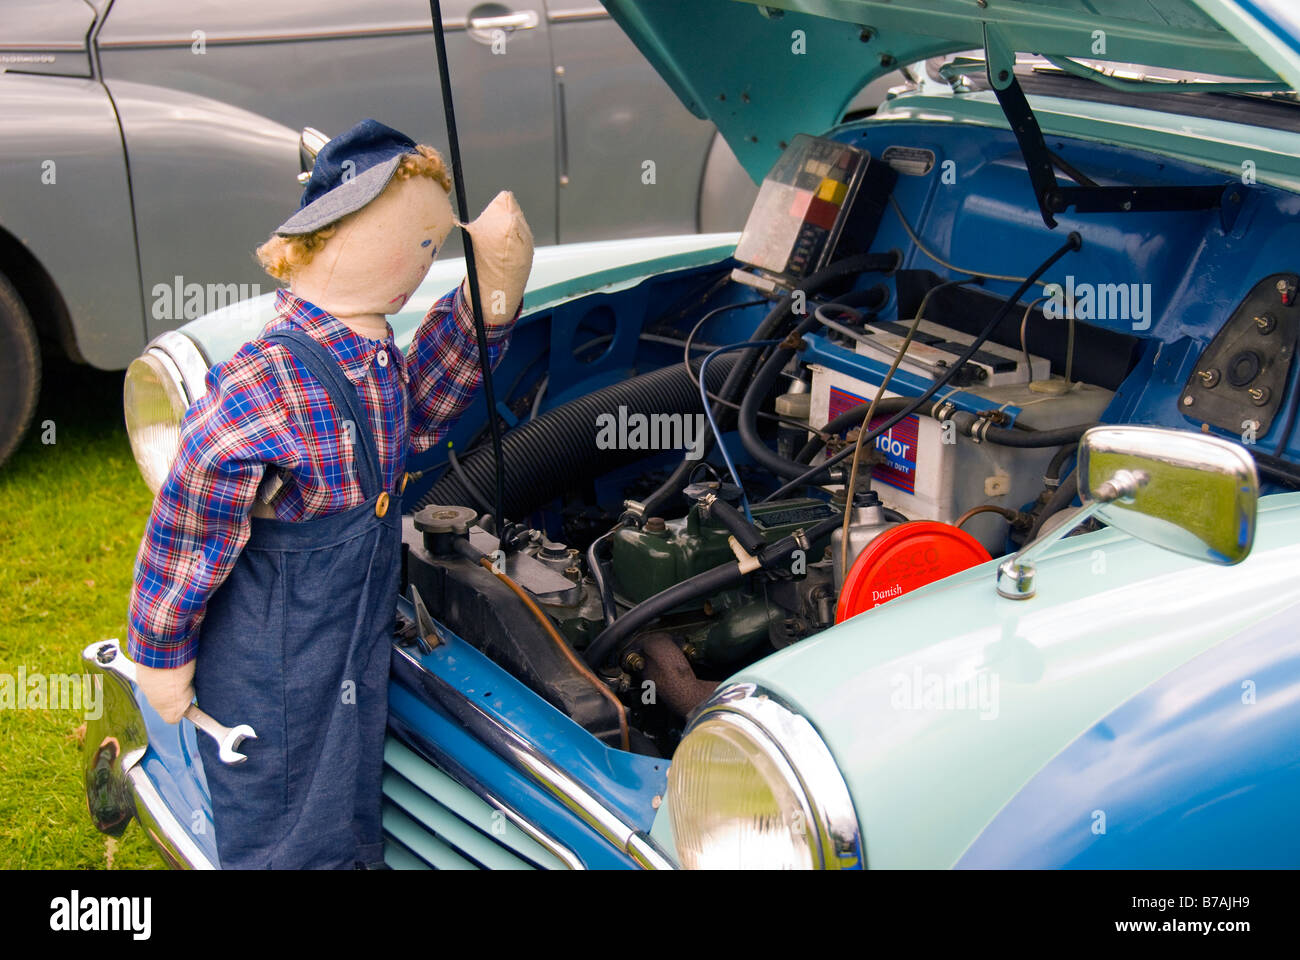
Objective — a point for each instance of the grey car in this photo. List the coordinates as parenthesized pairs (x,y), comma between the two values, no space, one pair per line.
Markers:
(149,146)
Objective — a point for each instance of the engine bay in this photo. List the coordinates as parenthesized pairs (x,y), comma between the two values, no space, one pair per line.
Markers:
(880,413)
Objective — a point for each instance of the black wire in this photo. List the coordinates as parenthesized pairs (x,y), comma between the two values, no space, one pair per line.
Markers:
(471,269)
(1073,243)
(468,484)
(597,565)
(695,377)
(708,466)
(690,337)
(767,327)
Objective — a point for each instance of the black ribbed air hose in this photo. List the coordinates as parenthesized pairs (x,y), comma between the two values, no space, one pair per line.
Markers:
(557,450)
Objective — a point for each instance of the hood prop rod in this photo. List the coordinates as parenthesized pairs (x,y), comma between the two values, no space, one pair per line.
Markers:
(1089,197)
(471,269)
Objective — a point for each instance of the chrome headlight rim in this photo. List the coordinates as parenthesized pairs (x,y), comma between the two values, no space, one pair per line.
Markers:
(180,368)
(184,361)
(793,744)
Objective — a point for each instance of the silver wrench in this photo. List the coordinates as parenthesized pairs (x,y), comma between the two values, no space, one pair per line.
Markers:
(227,737)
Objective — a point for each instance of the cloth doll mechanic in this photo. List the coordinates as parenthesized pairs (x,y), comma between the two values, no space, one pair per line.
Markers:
(267,576)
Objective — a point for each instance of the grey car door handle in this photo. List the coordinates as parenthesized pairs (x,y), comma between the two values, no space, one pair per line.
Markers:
(523,20)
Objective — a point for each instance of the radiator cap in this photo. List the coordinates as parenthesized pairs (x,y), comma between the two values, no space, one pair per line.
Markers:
(903,558)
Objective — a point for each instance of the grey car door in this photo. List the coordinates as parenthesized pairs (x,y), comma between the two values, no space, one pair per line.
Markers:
(212,95)
(628,152)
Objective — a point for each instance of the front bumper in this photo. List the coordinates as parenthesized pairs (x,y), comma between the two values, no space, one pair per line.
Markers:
(132,758)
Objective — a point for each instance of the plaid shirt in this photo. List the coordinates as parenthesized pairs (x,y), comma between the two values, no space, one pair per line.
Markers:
(263,409)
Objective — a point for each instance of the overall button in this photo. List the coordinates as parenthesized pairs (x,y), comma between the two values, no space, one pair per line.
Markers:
(381,505)
(382,358)
(401,486)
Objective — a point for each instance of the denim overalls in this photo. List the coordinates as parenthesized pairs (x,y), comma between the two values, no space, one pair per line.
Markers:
(296,643)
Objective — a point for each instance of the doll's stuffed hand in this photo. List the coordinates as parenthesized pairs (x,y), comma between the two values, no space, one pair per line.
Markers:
(503,253)
(169,691)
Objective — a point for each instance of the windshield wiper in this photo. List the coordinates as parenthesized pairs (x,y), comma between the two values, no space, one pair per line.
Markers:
(1074,68)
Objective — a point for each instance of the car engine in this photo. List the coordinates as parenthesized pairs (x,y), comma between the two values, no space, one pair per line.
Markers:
(870,430)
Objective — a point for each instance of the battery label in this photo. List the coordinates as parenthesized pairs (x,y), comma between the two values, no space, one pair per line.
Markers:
(897,444)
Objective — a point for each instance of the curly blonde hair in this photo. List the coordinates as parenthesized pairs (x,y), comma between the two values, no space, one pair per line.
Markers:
(281,256)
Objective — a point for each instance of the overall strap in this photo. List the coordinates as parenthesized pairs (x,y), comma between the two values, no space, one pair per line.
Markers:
(343,394)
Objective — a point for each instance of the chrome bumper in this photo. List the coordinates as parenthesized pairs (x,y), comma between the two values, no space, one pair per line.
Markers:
(117,784)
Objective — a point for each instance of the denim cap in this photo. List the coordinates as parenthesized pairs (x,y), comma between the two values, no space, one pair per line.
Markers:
(350,171)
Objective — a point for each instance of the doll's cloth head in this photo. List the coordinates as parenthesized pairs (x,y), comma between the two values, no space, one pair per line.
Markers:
(374,215)
(377,257)
(368,228)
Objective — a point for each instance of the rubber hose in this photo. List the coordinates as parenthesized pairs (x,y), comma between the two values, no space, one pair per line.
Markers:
(1061,498)
(704,584)
(862,263)
(1052,475)
(548,455)
(846,421)
(1073,242)
(1012,437)
(746,534)
(755,394)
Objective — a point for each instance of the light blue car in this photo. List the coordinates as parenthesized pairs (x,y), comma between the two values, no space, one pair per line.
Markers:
(1036,315)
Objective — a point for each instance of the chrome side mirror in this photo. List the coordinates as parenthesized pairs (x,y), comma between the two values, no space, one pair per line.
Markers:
(1187,492)
(309,143)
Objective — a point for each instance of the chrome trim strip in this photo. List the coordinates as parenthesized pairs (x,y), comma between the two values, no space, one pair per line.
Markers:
(575,14)
(163,828)
(448,25)
(520,753)
(48,46)
(822,786)
(457,772)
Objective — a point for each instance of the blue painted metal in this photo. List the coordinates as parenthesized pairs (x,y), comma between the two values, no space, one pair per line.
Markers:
(1199,770)
(627,781)
(427,729)
(175,768)
(1195,273)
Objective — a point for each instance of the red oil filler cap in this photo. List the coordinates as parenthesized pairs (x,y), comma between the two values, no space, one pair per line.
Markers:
(906,557)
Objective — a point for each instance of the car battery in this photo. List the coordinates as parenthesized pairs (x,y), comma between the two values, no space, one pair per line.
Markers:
(931,471)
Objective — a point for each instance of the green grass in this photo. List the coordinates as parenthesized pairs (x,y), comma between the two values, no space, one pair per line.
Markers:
(71,516)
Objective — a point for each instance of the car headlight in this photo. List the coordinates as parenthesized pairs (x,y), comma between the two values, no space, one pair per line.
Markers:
(752,785)
(160,385)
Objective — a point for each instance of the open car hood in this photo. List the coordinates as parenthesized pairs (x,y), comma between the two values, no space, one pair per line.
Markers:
(764,72)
